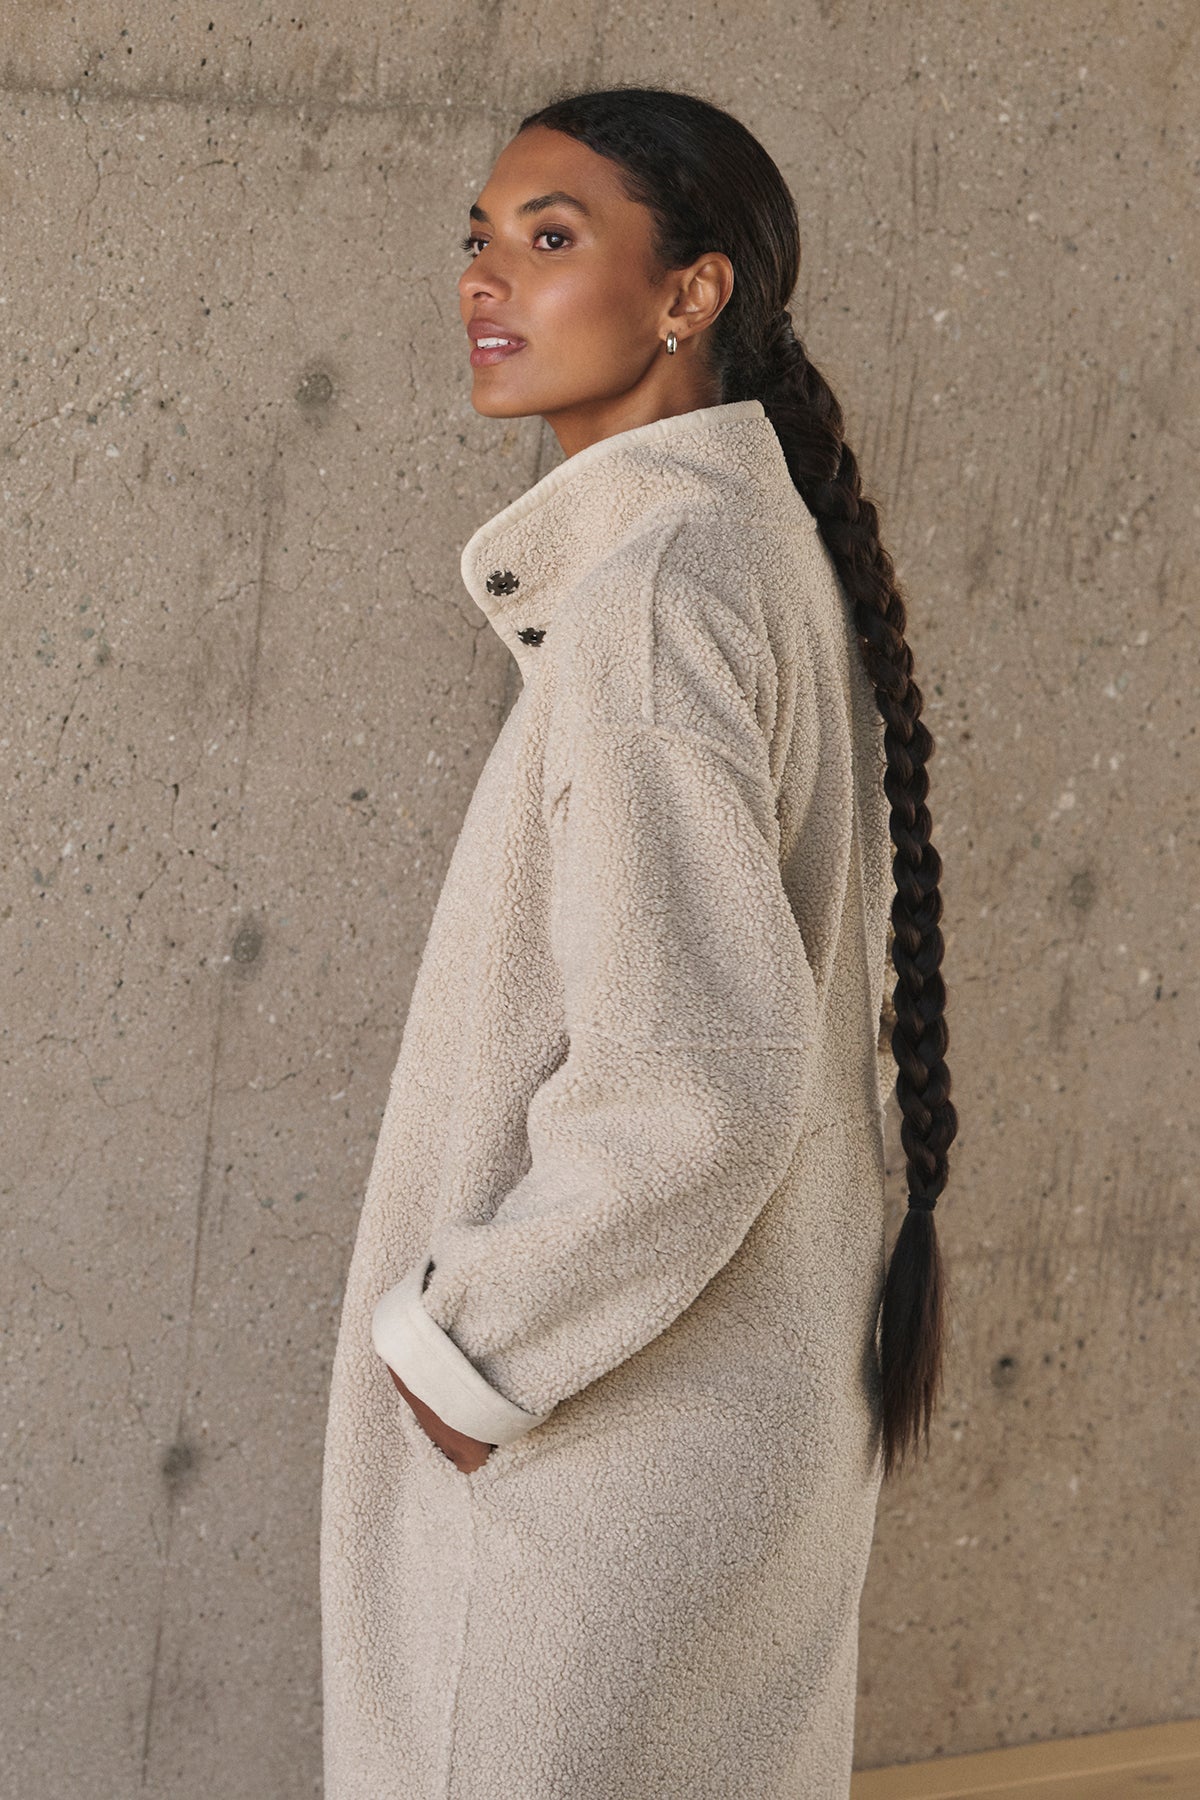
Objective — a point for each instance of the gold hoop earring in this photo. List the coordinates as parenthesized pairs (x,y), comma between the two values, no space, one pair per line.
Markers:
(672,343)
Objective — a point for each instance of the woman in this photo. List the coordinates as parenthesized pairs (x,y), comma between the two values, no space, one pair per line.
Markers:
(606,1422)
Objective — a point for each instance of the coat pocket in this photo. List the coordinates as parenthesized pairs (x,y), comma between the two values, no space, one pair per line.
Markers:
(430,1459)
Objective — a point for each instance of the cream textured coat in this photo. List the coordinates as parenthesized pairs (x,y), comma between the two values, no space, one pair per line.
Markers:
(636,1128)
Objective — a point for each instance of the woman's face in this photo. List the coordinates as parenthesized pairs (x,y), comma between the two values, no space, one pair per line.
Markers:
(560,259)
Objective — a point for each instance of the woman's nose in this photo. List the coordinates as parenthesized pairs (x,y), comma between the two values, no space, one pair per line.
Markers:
(485,283)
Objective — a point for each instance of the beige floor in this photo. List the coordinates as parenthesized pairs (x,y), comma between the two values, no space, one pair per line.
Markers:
(1113,1765)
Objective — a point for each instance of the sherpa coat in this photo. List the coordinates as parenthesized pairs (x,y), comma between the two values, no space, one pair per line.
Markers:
(635,1127)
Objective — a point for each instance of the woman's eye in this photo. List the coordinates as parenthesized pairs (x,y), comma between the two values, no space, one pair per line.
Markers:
(469,243)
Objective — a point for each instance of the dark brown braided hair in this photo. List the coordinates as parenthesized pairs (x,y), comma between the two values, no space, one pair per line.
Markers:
(710,185)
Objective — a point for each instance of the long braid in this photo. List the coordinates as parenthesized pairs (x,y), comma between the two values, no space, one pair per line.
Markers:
(809,423)
(708,185)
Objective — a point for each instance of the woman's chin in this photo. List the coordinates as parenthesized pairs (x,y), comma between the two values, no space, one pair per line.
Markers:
(493,404)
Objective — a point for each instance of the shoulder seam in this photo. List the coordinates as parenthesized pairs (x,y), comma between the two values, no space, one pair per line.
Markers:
(673,526)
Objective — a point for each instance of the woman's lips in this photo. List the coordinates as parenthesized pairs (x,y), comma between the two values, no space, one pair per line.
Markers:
(480,357)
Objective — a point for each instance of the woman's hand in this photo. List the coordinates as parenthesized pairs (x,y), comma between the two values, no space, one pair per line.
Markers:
(466,1453)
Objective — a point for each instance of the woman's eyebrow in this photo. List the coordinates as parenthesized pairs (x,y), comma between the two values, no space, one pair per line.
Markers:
(557,198)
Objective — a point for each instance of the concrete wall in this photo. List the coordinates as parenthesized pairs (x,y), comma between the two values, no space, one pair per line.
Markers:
(246,699)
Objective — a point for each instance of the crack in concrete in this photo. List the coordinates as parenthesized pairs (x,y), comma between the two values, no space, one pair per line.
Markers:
(272,498)
(252,101)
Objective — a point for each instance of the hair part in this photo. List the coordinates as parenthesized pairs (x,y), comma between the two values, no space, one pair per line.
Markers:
(710,185)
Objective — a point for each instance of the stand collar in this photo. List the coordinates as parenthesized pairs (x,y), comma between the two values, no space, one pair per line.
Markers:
(544,542)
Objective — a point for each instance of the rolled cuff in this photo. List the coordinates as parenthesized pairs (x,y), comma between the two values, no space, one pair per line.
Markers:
(429,1362)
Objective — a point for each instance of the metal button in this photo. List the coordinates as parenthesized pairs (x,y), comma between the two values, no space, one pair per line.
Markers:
(502,581)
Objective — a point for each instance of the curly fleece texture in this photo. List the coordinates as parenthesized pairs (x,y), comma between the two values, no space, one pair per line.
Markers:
(634,1138)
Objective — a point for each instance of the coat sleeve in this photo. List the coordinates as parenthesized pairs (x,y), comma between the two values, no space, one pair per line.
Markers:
(690,1010)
